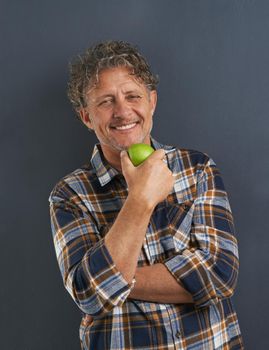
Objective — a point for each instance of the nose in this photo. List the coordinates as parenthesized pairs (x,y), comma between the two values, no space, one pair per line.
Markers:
(121,108)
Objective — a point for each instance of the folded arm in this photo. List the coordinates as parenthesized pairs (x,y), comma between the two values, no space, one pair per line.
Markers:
(156,284)
(201,274)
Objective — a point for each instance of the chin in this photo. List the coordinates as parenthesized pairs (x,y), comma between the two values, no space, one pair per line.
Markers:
(124,144)
(127,142)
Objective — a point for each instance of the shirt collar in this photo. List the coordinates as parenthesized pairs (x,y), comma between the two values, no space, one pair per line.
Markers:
(104,171)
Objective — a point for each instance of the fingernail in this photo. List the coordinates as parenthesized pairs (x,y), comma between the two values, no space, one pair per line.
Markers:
(122,153)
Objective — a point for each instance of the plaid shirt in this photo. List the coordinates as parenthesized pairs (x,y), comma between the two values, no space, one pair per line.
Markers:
(191,233)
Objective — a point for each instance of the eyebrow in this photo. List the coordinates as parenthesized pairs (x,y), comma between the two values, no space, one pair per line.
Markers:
(131,92)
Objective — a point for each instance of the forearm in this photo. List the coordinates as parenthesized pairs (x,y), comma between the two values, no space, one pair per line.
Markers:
(125,238)
(155,283)
(162,289)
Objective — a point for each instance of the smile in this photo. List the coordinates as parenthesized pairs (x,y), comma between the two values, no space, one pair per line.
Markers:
(125,127)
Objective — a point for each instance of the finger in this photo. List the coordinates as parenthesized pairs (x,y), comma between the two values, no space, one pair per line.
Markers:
(158,154)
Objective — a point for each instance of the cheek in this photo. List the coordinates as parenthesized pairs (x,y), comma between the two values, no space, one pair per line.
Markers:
(144,111)
(101,121)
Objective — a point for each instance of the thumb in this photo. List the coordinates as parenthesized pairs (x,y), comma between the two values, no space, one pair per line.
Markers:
(126,163)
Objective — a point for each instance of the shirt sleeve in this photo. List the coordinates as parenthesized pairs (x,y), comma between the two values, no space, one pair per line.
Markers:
(88,271)
(209,269)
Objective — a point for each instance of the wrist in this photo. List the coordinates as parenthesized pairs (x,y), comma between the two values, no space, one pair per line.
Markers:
(140,203)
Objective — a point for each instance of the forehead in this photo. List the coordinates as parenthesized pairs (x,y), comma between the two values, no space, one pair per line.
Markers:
(112,79)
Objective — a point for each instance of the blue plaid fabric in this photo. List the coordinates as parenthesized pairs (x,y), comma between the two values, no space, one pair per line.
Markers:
(191,233)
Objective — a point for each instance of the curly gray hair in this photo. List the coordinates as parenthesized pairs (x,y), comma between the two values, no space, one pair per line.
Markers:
(84,69)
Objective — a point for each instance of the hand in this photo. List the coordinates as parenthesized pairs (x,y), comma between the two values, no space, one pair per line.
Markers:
(151,181)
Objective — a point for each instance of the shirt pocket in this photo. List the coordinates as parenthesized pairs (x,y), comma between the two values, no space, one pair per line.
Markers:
(179,216)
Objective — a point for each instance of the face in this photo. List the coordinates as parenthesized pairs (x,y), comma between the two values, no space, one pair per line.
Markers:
(119,100)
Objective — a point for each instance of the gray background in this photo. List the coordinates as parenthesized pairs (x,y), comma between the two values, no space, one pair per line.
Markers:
(212,58)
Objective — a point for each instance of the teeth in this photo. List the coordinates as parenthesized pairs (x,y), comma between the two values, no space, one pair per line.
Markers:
(126,126)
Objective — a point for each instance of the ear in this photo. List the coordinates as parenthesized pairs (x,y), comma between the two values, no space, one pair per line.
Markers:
(153,100)
(85,118)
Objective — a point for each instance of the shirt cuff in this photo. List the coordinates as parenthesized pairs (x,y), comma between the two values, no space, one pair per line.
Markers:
(107,281)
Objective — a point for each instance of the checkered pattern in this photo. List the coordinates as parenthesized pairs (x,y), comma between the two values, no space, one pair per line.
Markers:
(191,233)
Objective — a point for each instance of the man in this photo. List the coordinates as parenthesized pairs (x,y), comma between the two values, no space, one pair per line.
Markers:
(148,253)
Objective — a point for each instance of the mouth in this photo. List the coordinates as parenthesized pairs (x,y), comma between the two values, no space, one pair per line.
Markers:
(125,128)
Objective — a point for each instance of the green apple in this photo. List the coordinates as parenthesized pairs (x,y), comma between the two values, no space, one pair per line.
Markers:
(138,152)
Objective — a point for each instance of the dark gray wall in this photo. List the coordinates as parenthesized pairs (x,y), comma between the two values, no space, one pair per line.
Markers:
(212,58)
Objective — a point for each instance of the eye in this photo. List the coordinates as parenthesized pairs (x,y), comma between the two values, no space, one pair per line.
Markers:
(106,102)
(133,97)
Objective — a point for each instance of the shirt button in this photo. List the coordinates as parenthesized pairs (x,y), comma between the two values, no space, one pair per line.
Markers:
(178,334)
